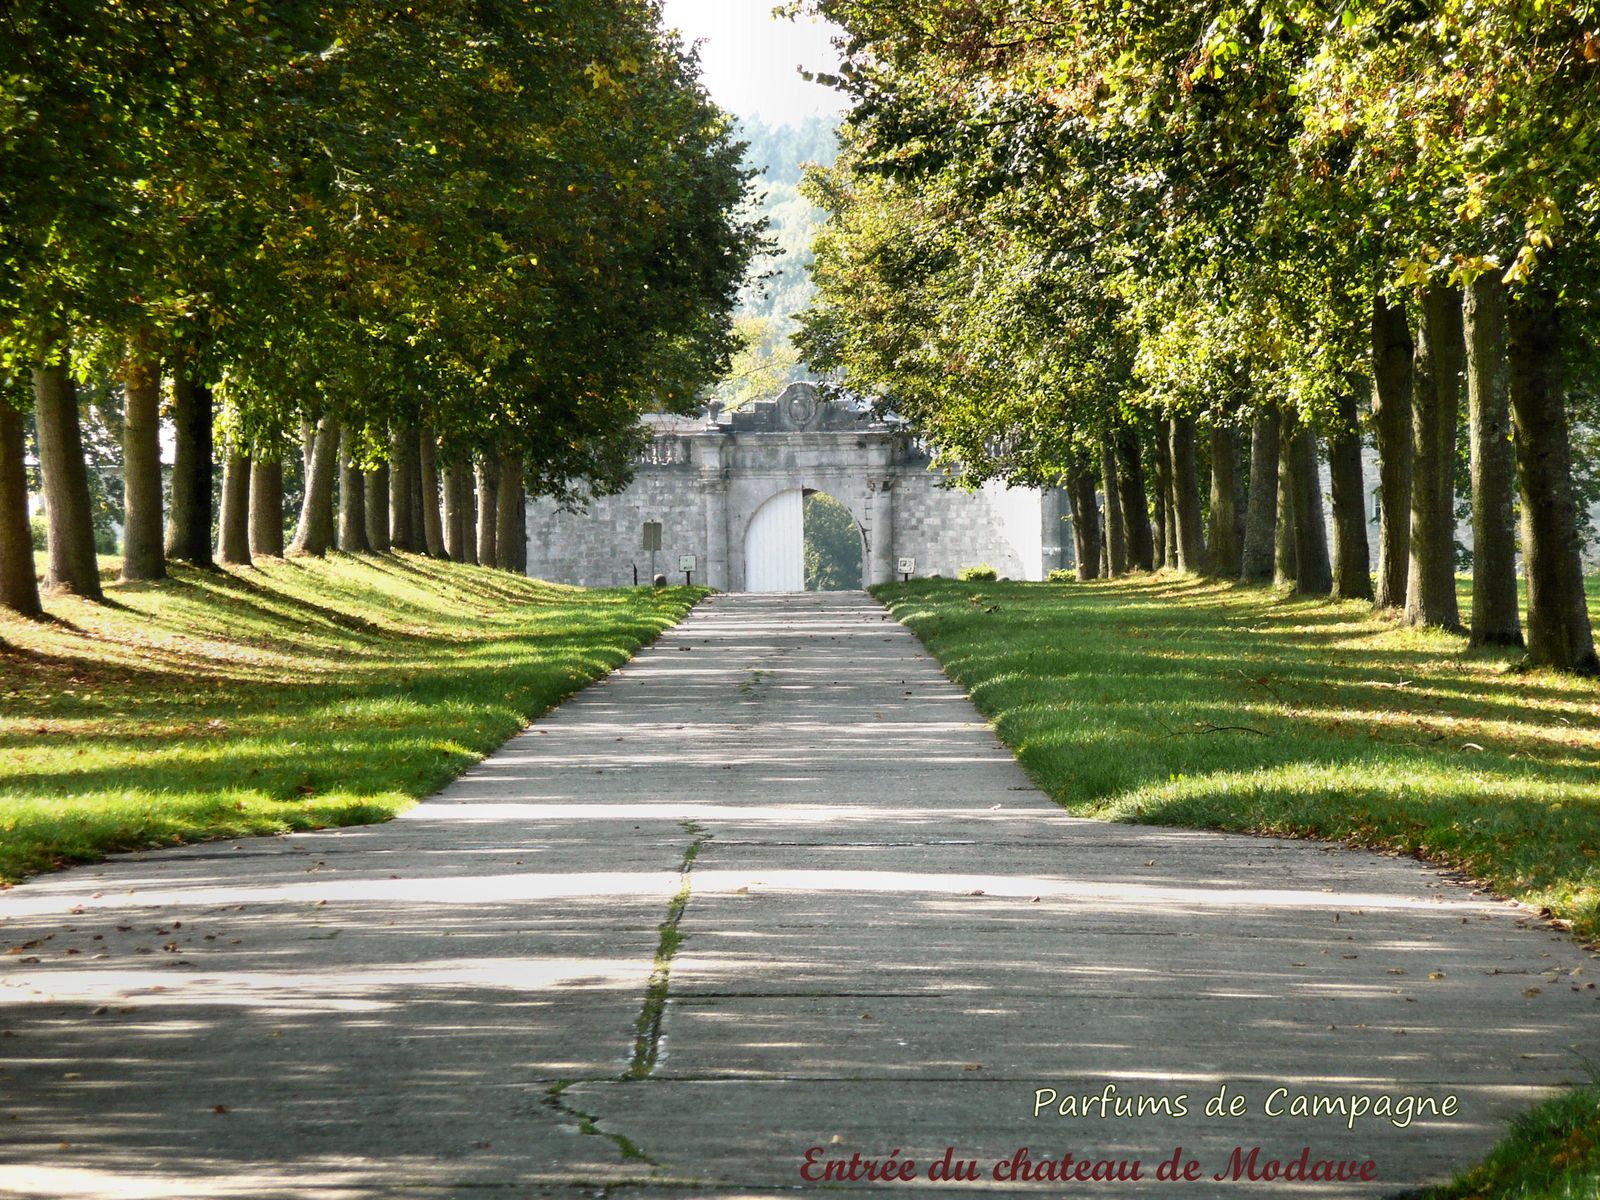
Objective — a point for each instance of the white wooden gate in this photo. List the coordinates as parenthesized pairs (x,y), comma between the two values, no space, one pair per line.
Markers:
(774,547)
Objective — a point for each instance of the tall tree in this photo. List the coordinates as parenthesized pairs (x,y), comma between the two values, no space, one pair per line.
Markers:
(189,531)
(142,553)
(1435,403)
(376,482)
(1559,631)
(1116,547)
(19,586)
(1135,508)
(1261,514)
(1225,540)
(266,506)
(314,533)
(1392,351)
(1352,565)
(352,495)
(1313,574)
(70,519)
(233,521)
(1495,619)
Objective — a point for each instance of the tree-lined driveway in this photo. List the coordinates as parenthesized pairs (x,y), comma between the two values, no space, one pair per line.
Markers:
(772,886)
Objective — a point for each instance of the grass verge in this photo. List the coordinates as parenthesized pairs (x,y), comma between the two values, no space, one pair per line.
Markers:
(1181,702)
(1174,701)
(295,695)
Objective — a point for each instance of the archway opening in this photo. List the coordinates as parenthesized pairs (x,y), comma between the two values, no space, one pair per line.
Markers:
(832,545)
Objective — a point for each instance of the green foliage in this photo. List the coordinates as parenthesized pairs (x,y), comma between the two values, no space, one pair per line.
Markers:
(832,545)
(517,224)
(1062,575)
(972,574)
(759,369)
(291,696)
(1046,220)
(37,529)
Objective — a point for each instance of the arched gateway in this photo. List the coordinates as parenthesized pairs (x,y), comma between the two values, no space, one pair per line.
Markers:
(727,490)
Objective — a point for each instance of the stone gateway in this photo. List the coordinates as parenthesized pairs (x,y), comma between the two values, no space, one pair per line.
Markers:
(727,488)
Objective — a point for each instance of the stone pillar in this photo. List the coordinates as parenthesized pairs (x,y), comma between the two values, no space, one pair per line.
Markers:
(708,458)
(880,564)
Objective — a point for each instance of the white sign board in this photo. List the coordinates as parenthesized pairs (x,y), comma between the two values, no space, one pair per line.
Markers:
(686,562)
(908,566)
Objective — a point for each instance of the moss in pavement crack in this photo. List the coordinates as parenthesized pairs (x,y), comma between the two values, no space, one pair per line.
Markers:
(647,1035)
(589,1125)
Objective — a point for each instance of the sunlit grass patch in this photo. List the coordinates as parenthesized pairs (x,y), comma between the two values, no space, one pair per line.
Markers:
(298,694)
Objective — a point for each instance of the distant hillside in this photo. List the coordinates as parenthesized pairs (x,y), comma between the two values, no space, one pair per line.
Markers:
(779,286)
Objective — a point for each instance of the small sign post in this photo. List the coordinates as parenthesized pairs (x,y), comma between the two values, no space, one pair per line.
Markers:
(652,543)
(686,565)
(907,567)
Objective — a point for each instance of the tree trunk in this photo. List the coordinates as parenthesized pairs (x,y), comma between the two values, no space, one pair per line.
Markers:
(428,456)
(452,514)
(1392,351)
(189,532)
(488,509)
(19,585)
(510,535)
(405,469)
(1141,551)
(1435,401)
(1164,556)
(266,508)
(1352,565)
(1191,540)
(352,497)
(469,514)
(1261,505)
(233,523)
(71,564)
(143,557)
(1116,541)
(1313,576)
(455,519)
(1226,552)
(314,533)
(1283,548)
(1085,522)
(1559,634)
(1495,621)
(376,482)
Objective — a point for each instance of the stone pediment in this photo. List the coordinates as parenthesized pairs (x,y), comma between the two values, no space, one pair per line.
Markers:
(799,408)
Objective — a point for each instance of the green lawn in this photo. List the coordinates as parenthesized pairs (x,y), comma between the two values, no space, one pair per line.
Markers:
(299,694)
(1176,701)
(1171,700)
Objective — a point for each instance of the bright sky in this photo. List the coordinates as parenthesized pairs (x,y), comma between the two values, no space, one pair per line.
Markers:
(750,60)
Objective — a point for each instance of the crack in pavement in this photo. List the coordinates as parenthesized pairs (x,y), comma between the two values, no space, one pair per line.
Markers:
(647,1028)
(647,1042)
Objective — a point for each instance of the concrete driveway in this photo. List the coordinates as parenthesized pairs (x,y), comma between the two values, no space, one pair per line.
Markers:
(772,889)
